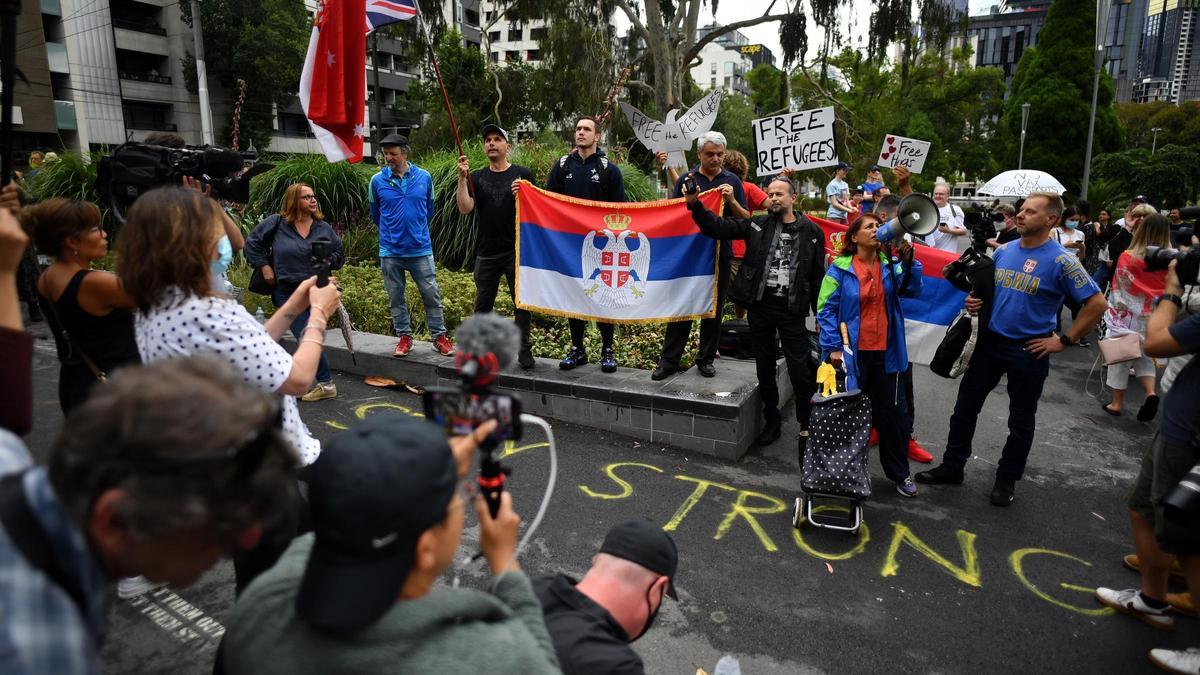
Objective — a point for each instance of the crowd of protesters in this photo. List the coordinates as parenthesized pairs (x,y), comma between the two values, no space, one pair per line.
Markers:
(183,440)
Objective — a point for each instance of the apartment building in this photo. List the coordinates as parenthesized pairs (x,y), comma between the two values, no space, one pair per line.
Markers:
(1170,57)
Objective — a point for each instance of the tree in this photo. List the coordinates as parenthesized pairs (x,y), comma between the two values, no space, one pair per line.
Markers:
(768,92)
(466,83)
(1055,78)
(260,41)
(1177,124)
(1169,178)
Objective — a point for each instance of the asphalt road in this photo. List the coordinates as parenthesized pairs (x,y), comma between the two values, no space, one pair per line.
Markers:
(941,583)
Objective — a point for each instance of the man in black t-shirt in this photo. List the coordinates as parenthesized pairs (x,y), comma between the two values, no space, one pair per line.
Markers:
(495,205)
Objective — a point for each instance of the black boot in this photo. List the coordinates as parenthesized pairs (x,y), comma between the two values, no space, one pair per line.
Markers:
(1002,492)
(940,475)
(771,430)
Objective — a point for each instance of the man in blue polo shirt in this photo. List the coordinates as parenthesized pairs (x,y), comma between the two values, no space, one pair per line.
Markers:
(1033,275)
(709,174)
(401,205)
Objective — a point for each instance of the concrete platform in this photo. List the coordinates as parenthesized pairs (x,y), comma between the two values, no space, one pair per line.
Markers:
(717,416)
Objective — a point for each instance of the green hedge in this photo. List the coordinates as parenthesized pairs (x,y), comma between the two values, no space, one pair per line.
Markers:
(366,301)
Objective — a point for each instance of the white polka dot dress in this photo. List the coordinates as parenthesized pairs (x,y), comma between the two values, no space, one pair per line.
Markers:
(182,326)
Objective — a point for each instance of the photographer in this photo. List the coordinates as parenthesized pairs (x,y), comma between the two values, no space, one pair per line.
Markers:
(1006,214)
(281,247)
(165,468)
(1175,450)
(357,595)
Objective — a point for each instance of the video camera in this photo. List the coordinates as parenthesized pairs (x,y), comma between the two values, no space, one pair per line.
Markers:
(136,168)
(1187,268)
(487,344)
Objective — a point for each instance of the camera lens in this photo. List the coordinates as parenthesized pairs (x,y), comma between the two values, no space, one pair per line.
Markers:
(1182,503)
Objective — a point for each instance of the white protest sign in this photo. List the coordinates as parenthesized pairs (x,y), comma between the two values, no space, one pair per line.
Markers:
(673,136)
(906,152)
(802,140)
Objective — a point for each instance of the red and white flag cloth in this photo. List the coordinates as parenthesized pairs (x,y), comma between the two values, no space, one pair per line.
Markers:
(333,84)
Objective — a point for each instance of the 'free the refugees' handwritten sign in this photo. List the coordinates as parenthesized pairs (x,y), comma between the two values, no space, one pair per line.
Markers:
(674,135)
(802,140)
(906,152)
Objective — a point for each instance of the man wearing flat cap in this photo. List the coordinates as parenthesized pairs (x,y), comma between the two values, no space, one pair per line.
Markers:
(356,595)
(593,621)
(402,205)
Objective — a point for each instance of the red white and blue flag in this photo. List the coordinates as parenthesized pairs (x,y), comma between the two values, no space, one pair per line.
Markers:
(621,262)
(927,316)
(333,84)
(383,12)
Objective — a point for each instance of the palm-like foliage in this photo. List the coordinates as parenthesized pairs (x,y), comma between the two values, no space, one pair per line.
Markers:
(340,187)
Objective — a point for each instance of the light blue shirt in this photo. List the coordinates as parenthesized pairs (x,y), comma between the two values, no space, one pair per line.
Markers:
(836,188)
(402,207)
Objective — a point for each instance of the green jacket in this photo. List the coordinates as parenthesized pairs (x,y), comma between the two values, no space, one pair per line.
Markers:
(450,630)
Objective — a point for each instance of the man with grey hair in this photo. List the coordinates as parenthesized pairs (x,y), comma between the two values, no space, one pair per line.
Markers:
(951,225)
(709,174)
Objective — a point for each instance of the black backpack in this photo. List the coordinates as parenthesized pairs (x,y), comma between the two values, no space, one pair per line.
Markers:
(132,170)
(734,340)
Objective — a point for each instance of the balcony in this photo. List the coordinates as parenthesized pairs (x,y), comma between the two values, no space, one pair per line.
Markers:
(145,87)
(140,25)
(64,112)
(145,77)
(140,35)
(51,7)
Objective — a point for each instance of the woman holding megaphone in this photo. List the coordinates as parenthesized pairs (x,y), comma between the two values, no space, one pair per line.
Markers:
(862,290)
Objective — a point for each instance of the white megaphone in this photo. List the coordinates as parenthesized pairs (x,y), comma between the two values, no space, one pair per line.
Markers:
(917,215)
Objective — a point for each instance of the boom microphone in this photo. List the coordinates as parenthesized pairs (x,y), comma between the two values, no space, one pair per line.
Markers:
(487,344)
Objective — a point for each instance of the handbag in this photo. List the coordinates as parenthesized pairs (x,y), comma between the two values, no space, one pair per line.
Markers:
(258,284)
(1121,349)
(954,353)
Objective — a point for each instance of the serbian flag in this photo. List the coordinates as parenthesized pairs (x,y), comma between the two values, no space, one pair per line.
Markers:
(333,85)
(926,317)
(643,262)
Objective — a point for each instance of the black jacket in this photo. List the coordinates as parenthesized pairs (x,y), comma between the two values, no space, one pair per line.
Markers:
(762,236)
(587,639)
(591,178)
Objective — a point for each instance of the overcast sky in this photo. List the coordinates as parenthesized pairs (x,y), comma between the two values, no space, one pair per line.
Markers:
(857,18)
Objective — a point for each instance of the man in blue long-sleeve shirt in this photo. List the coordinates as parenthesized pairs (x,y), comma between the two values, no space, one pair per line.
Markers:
(401,205)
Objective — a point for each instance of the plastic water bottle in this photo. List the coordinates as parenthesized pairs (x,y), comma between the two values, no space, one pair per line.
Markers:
(728,666)
(260,316)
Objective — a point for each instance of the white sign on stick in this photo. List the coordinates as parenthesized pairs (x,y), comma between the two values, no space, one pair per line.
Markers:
(906,152)
(802,140)
(675,135)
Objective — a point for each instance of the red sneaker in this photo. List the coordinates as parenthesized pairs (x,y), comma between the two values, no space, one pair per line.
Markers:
(874,437)
(918,454)
(403,347)
(443,345)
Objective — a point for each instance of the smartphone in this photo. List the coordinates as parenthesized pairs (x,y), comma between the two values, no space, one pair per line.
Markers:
(460,413)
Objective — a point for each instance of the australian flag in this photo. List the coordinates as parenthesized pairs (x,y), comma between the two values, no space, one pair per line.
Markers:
(382,12)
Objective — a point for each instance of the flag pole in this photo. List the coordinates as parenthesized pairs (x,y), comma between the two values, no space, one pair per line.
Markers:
(437,71)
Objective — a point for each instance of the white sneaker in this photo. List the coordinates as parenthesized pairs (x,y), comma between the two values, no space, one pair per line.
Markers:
(131,587)
(1129,601)
(1177,660)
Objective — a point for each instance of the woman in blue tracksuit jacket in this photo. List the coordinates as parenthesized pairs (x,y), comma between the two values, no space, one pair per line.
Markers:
(862,289)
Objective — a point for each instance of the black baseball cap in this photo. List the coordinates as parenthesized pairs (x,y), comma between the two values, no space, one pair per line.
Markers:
(372,493)
(842,165)
(399,140)
(644,543)
(494,129)
(1140,199)
(873,167)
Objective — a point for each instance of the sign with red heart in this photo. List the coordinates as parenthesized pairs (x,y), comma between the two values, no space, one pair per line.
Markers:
(900,151)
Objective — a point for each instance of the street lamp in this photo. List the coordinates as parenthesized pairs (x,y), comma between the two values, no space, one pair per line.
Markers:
(1102,7)
(1154,143)
(1024,123)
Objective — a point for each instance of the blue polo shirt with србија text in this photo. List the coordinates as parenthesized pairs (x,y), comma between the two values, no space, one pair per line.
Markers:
(1031,284)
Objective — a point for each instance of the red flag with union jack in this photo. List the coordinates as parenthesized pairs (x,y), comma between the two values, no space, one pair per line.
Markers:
(333,85)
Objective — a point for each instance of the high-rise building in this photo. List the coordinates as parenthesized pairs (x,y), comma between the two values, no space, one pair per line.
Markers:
(1170,55)
(725,61)
(105,71)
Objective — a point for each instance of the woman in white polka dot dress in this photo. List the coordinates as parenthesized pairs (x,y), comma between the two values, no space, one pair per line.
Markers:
(166,247)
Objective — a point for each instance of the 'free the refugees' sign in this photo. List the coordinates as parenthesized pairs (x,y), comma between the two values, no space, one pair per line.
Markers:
(906,152)
(675,135)
(802,140)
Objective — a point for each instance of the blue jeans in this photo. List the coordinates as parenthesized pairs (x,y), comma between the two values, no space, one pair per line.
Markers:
(996,356)
(280,296)
(423,272)
(1102,275)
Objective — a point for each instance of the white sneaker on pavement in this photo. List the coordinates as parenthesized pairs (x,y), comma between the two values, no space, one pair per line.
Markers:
(1129,601)
(131,587)
(1177,660)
